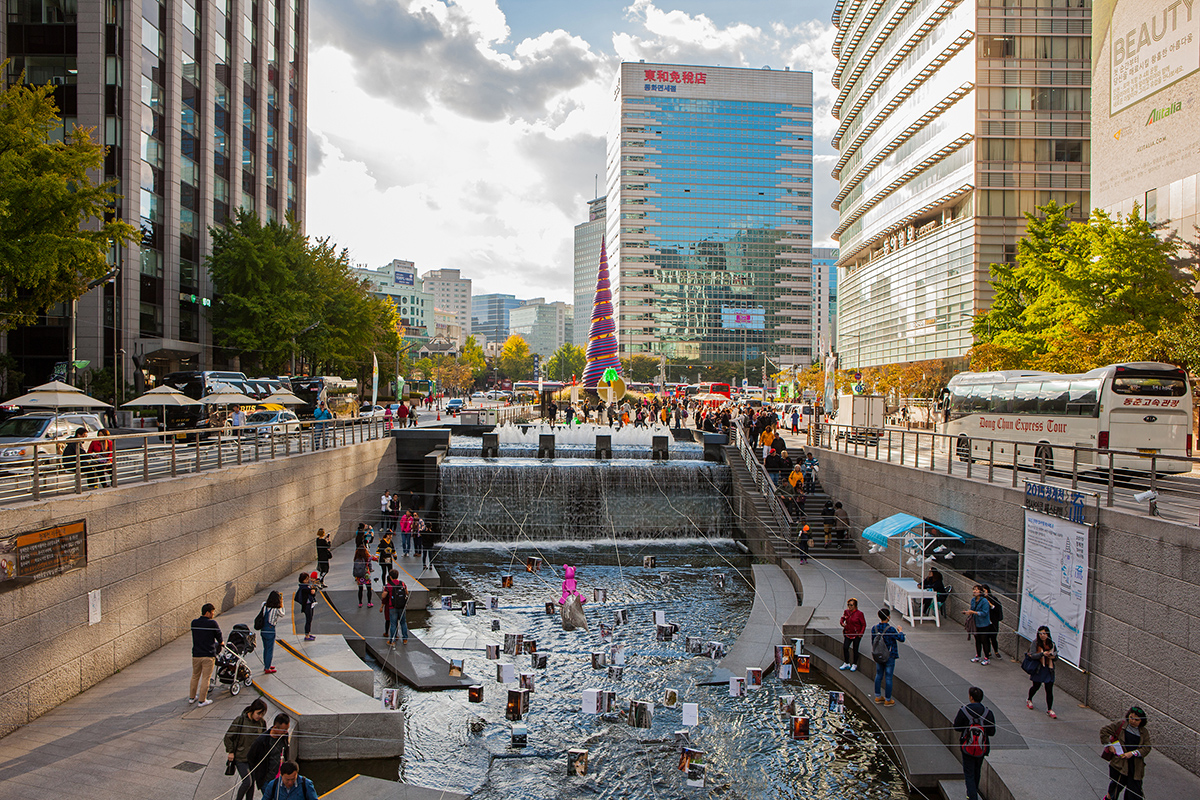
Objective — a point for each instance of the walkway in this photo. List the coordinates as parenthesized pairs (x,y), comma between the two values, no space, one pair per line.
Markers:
(1033,754)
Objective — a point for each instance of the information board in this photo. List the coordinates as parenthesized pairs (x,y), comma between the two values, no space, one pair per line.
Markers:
(1054,585)
(38,554)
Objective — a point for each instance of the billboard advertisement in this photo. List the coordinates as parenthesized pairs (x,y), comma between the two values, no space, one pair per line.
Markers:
(1145,76)
(750,319)
(403,278)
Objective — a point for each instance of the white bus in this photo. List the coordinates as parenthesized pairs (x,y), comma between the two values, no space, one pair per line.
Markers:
(1143,407)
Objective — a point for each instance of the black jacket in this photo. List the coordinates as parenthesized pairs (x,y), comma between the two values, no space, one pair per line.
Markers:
(977,711)
(266,754)
(206,637)
(324,551)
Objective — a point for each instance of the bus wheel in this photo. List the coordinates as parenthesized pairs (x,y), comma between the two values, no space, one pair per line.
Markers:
(964,449)
(1043,458)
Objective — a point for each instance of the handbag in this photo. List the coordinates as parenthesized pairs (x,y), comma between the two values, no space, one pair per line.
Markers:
(1108,754)
(1031,663)
(229,768)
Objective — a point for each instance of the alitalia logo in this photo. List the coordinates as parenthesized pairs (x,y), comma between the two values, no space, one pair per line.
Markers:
(1163,113)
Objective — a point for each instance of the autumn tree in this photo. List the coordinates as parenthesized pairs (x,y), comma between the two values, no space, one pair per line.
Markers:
(56,226)
(515,359)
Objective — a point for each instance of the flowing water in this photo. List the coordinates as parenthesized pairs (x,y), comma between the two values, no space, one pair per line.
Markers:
(748,749)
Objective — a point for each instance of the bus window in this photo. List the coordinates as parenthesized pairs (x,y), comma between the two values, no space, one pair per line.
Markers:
(1054,397)
(981,397)
(1083,400)
(1148,386)
(1002,398)
(959,397)
(1025,399)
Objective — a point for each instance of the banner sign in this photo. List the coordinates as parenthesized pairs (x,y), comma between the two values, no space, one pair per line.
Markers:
(40,554)
(753,319)
(1057,501)
(1054,584)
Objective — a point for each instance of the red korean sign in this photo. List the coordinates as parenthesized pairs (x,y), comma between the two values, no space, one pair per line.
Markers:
(671,76)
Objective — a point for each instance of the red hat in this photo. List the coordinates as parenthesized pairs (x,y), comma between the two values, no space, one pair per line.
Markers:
(314,576)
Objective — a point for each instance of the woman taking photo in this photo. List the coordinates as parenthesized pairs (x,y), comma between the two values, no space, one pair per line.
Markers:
(1041,656)
(272,615)
(1129,743)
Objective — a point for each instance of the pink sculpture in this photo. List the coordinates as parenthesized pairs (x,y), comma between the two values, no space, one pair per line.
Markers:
(569,588)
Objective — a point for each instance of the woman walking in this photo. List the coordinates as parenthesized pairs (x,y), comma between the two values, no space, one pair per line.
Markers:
(1043,654)
(241,734)
(418,537)
(854,625)
(996,617)
(306,598)
(981,612)
(362,573)
(406,526)
(272,615)
(1129,741)
(324,554)
(884,671)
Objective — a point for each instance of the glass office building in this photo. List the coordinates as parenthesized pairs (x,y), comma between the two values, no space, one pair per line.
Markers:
(202,107)
(588,236)
(824,260)
(955,119)
(490,316)
(709,212)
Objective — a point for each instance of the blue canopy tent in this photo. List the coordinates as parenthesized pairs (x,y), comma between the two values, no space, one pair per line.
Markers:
(882,532)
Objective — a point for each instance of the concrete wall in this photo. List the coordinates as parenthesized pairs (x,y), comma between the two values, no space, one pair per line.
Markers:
(1144,625)
(158,551)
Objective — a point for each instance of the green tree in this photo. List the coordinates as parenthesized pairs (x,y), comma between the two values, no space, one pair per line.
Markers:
(568,360)
(55,225)
(640,368)
(515,360)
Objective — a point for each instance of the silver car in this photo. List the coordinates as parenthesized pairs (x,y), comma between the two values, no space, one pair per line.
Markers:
(43,431)
(278,422)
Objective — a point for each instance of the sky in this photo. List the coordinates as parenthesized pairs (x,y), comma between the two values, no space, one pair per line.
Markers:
(469,134)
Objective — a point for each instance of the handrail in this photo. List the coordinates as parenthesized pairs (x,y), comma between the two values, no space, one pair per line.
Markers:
(1110,472)
(155,455)
(762,480)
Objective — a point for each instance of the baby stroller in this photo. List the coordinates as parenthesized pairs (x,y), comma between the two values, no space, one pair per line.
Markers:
(231,668)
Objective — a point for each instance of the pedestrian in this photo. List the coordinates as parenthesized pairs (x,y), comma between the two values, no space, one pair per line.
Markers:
(385,502)
(1129,743)
(418,537)
(795,420)
(429,540)
(934,582)
(206,643)
(100,459)
(385,553)
(362,573)
(406,523)
(976,725)
(322,417)
(402,414)
(412,415)
(272,615)
(828,520)
(841,524)
(396,604)
(884,638)
(996,617)
(240,738)
(981,613)
(269,751)
(854,625)
(1041,657)
(74,449)
(324,554)
(387,418)
(290,785)
(306,598)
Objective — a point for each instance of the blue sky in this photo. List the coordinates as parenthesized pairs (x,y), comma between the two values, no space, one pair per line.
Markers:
(467,134)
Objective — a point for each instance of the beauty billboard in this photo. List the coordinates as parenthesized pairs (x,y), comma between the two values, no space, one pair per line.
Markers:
(1145,82)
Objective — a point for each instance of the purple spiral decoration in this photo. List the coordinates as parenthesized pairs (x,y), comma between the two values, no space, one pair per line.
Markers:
(602,336)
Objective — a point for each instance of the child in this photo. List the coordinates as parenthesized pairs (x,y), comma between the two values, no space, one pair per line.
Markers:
(805,541)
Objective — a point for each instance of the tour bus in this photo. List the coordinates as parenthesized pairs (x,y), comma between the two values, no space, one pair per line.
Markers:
(710,388)
(340,394)
(1141,407)
(196,384)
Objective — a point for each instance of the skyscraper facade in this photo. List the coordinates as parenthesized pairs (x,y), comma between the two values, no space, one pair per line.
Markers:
(588,236)
(489,316)
(544,326)
(954,120)
(202,106)
(451,292)
(709,212)
(824,261)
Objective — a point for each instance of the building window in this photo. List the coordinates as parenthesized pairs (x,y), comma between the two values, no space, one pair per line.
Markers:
(1152,206)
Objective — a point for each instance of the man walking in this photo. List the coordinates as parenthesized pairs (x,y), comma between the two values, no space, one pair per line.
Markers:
(976,725)
(270,751)
(290,785)
(206,643)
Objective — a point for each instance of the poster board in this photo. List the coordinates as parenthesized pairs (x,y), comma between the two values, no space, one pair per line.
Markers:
(39,554)
(1054,582)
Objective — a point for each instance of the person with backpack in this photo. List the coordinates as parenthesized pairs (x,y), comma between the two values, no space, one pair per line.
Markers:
(385,553)
(394,602)
(884,638)
(981,612)
(306,598)
(976,725)
(270,615)
(362,573)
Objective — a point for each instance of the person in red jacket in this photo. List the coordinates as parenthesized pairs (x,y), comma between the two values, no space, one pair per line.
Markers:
(100,454)
(854,625)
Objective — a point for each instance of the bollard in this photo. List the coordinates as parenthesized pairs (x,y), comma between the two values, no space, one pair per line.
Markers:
(546,446)
(658,448)
(604,447)
(491,445)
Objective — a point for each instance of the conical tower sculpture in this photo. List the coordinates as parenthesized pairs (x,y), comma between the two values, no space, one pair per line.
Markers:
(602,336)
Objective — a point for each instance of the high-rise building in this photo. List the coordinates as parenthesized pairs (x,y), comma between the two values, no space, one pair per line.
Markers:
(451,292)
(954,120)
(824,260)
(489,316)
(399,283)
(544,326)
(1147,151)
(588,236)
(709,219)
(202,107)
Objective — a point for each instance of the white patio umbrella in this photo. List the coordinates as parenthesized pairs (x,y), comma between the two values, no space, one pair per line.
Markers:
(226,398)
(161,397)
(283,397)
(56,395)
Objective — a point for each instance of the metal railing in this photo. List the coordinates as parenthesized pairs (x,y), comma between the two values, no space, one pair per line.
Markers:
(762,480)
(1102,470)
(153,455)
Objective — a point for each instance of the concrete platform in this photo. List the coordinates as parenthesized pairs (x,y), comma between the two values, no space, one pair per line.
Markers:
(774,604)
(364,787)
(414,663)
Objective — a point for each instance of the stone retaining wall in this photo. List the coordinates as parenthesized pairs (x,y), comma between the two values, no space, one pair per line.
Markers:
(1143,627)
(158,551)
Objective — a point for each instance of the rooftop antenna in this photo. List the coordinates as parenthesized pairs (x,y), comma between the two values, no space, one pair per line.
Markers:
(596,186)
